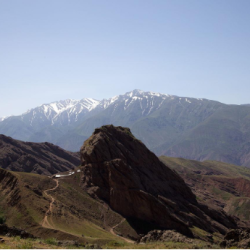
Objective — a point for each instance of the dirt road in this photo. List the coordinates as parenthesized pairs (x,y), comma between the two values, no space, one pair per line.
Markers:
(45,222)
(112,231)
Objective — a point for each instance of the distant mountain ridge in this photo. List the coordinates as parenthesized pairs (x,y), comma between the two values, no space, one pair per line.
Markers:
(61,112)
(71,109)
(51,122)
(192,128)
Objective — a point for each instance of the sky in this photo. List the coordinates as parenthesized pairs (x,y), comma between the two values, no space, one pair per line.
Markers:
(52,50)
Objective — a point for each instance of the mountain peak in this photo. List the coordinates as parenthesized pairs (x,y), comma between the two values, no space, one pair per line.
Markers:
(134,92)
(138,92)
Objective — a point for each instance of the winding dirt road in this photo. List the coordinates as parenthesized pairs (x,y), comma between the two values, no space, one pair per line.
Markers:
(45,222)
(112,231)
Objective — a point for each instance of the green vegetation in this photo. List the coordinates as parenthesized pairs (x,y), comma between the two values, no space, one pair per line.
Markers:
(199,232)
(219,168)
(75,214)
(51,241)
(241,207)
(224,195)
(115,244)
(17,243)
(78,214)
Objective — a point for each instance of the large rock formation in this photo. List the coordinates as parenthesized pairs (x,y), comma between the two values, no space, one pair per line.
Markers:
(121,171)
(41,158)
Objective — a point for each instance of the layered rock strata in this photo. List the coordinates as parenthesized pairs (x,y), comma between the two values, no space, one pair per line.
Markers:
(41,158)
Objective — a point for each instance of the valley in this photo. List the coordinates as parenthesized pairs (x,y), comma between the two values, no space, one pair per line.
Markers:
(120,195)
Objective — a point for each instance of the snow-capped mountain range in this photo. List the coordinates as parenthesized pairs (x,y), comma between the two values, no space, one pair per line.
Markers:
(70,111)
(61,114)
(52,122)
(66,111)
(191,128)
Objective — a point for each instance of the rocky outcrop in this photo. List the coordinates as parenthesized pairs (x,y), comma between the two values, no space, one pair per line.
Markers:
(41,158)
(13,231)
(239,238)
(163,236)
(121,171)
(9,188)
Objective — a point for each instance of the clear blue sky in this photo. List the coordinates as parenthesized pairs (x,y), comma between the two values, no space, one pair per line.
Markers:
(55,49)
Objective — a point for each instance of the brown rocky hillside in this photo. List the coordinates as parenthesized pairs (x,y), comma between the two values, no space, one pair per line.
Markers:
(42,158)
(217,184)
(119,170)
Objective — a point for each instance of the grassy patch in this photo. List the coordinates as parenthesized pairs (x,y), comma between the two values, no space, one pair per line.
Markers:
(115,244)
(51,241)
(241,207)
(224,195)
(198,232)
(197,244)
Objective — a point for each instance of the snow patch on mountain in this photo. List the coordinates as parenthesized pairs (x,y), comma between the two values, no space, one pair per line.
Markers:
(3,118)
(62,112)
(146,100)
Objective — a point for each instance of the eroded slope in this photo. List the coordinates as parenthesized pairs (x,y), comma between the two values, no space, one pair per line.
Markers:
(42,158)
(221,185)
(55,208)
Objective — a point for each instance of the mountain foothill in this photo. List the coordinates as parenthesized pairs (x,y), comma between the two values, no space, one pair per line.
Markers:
(117,190)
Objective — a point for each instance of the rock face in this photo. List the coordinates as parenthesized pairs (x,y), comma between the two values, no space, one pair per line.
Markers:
(121,171)
(239,238)
(41,158)
(12,232)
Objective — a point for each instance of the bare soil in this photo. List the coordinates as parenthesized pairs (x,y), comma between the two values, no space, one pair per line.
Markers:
(45,222)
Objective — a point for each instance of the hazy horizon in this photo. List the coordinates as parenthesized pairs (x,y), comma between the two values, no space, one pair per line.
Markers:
(57,50)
